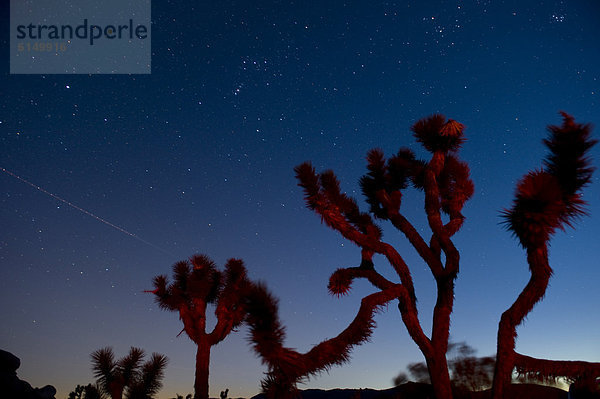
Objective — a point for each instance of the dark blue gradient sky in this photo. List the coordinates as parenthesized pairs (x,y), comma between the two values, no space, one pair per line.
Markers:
(198,157)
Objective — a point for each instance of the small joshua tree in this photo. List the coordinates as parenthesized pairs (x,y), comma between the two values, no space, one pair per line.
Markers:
(196,284)
(127,376)
(545,200)
(446,184)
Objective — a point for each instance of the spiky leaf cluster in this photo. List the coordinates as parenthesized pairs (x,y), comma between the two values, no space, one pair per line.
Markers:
(437,134)
(340,282)
(267,332)
(205,280)
(567,161)
(384,181)
(322,193)
(138,380)
(236,285)
(104,367)
(387,179)
(549,199)
(149,381)
(197,278)
(455,185)
(538,209)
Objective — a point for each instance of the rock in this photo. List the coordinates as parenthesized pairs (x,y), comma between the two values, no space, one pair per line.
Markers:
(9,363)
(46,392)
(14,388)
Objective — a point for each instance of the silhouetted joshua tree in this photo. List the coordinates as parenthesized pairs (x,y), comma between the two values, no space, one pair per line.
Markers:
(445,181)
(128,376)
(196,284)
(545,200)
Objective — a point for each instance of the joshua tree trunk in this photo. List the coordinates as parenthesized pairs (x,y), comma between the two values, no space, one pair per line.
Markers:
(440,378)
(511,318)
(116,390)
(435,349)
(202,368)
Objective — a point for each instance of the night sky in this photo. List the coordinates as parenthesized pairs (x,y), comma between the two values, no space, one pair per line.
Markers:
(198,157)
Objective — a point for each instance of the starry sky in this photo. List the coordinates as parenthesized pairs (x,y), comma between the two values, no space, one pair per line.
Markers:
(131,173)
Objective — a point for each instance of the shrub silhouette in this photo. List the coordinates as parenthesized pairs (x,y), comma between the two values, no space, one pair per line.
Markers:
(88,391)
(127,376)
(196,284)
(468,372)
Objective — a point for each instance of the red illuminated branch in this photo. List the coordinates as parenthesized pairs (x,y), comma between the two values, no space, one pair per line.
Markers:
(543,368)
(287,367)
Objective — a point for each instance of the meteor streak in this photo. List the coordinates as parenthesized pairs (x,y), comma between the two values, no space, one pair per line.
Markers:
(64,201)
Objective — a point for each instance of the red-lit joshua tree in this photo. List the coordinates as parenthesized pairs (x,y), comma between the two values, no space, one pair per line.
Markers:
(545,200)
(196,284)
(128,376)
(445,181)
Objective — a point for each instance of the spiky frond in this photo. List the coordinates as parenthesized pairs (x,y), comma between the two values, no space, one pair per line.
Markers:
(235,272)
(340,283)
(323,194)
(309,181)
(386,179)
(205,280)
(277,386)
(568,145)
(128,366)
(160,285)
(181,274)
(236,285)
(104,367)
(334,201)
(201,261)
(435,134)
(538,209)
(550,199)
(266,331)
(456,187)
(163,295)
(401,167)
(375,180)
(150,381)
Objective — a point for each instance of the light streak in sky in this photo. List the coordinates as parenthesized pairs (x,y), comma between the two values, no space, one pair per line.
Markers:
(64,201)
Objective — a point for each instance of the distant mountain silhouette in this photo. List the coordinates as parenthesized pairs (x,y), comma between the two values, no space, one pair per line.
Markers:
(413,390)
